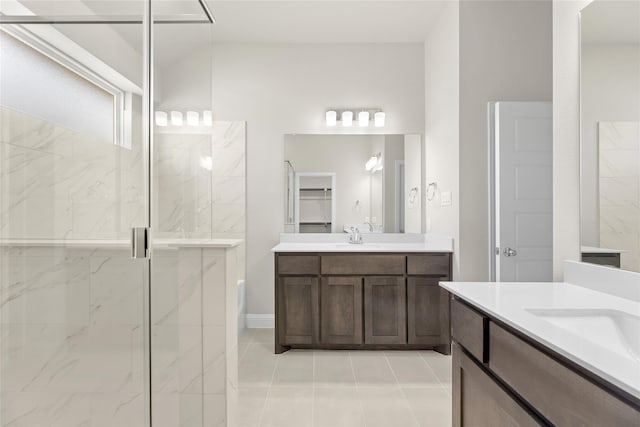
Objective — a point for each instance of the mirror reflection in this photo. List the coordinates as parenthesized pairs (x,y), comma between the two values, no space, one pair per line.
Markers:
(369,183)
(610,134)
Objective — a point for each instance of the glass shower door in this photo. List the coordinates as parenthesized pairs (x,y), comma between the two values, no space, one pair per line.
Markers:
(72,184)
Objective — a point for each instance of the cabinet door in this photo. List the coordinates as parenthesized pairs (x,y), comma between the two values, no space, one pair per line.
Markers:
(479,401)
(385,316)
(427,311)
(341,310)
(296,308)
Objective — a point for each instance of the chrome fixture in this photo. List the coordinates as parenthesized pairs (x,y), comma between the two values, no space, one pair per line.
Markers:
(356,237)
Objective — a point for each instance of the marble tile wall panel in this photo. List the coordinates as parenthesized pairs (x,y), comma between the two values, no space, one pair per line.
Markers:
(619,189)
(56,183)
(72,337)
(193,201)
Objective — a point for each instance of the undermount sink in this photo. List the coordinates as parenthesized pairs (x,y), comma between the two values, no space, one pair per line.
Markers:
(613,329)
(355,246)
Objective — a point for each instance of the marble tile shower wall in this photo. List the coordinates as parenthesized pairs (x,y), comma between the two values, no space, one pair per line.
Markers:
(72,337)
(201,181)
(619,180)
(59,184)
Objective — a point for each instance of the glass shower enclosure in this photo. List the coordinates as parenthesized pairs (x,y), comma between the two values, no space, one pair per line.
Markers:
(92,313)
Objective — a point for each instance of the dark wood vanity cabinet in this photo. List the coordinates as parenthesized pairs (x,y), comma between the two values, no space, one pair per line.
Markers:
(502,378)
(340,310)
(385,314)
(362,301)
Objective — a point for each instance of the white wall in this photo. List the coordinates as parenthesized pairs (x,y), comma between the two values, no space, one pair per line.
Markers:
(566,133)
(610,77)
(505,55)
(282,89)
(441,125)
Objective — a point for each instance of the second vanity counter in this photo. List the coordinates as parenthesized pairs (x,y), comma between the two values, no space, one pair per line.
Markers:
(569,351)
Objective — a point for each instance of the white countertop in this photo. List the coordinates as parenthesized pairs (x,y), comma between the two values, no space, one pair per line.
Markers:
(374,242)
(596,250)
(508,302)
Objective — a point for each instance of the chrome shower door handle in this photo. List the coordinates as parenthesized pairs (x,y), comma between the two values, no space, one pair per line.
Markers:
(139,243)
(508,252)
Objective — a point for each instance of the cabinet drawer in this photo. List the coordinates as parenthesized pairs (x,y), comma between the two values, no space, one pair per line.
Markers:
(561,395)
(298,264)
(363,264)
(428,264)
(470,329)
(479,401)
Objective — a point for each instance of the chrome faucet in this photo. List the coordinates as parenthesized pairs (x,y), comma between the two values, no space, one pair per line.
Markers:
(370,226)
(355,238)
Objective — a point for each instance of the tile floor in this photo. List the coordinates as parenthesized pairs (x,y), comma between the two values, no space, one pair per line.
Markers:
(315,388)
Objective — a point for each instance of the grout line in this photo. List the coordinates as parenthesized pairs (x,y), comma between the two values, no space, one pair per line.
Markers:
(313,387)
(432,370)
(266,399)
(404,395)
(353,372)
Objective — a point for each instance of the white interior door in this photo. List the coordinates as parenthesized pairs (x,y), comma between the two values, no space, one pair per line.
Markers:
(523,191)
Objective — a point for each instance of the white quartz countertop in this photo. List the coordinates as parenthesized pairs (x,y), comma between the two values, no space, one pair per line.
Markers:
(596,250)
(366,247)
(590,345)
(374,242)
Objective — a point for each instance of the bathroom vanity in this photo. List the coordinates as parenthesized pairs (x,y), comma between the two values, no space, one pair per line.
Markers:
(379,295)
(546,353)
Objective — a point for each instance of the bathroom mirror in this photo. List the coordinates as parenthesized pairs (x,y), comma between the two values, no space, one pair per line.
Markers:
(372,183)
(610,133)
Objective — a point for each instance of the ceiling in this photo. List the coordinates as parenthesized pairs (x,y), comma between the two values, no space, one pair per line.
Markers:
(264,21)
(302,21)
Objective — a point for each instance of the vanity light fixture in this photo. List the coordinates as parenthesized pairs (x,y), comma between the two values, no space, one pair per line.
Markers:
(347,118)
(207,118)
(331,118)
(161,118)
(363,119)
(364,116)
(176,118)
(193,118)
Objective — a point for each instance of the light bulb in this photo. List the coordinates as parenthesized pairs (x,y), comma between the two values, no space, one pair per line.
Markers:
(176,118)
(331,117)
(363,119)
(378,119)
(161,118)
(207,118)
(193,118)
(347,118)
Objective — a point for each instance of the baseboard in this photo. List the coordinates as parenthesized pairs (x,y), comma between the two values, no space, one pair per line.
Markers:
(260,321)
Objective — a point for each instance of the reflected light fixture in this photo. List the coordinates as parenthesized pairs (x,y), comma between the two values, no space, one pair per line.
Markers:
(374,163)
(363,119)
(207,118)
(193,118)
(161,118)
(347,118)
(331,118)
(378,119)
(176,118)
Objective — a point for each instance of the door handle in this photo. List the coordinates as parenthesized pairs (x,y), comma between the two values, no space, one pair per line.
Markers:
(508,252)
(139,242)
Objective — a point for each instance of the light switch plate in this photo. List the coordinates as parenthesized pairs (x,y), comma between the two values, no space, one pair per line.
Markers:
(445,198)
